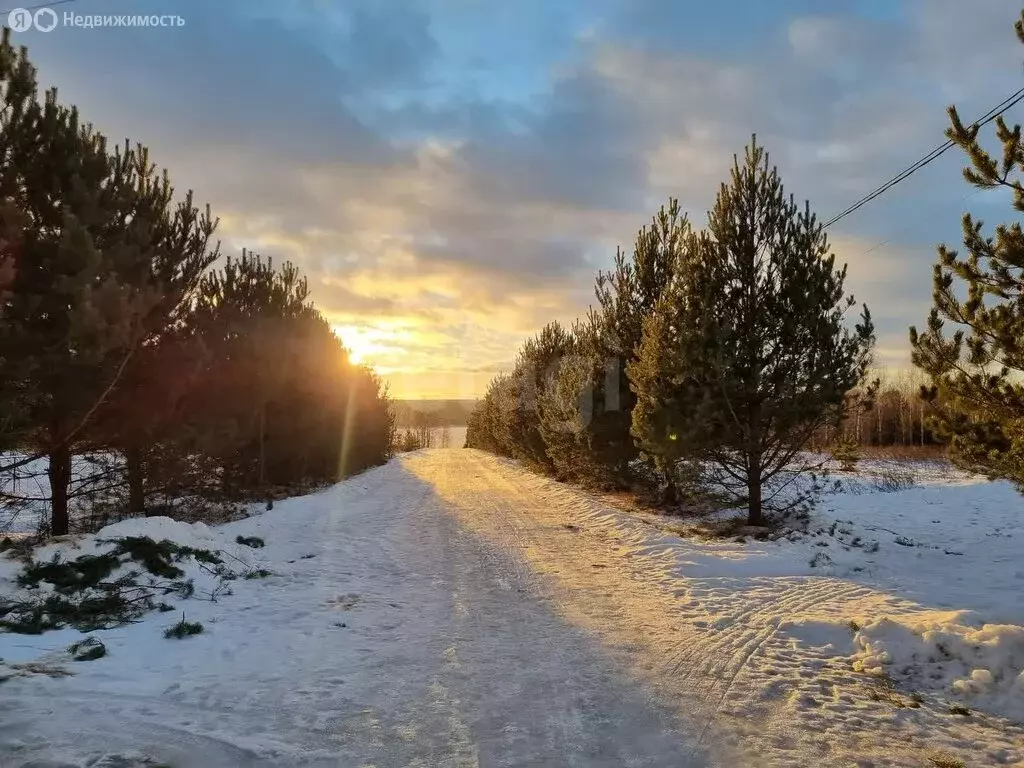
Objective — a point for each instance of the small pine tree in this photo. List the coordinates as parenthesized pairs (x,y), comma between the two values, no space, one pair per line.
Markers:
(536,366)
(567,406)
(847,452)
(669,392)
(747,355)
(488,424)
(975,392)
(626,297)
(602,446)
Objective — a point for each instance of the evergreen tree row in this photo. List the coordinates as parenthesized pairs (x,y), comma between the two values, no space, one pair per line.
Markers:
(711,358)
(714,358)
(122,342)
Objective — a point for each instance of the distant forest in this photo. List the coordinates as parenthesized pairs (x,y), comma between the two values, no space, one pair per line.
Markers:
(438,413)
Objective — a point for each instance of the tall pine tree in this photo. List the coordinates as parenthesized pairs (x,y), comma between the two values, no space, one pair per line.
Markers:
(143,405)
(748,353)
(976,394)
(536,367)
(626,295)
(76,305)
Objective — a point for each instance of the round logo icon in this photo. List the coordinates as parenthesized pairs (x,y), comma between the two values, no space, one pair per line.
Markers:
(20,20)
(45,19)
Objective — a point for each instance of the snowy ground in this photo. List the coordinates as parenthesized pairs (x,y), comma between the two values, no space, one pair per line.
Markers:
(26,492)
(456,436)
(390,636)
(26,482)
(452,609)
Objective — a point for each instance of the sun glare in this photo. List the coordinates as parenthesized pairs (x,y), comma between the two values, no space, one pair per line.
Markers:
(363,343)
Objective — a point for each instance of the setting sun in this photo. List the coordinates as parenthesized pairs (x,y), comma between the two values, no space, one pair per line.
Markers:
(365,344)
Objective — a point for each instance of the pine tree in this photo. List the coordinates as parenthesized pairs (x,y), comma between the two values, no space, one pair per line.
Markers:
(626,296)
(748,354)
(671,394)
(567,405)
(244,317)
(488,425)
(74,314)
(535,370)
(975,392)
(277,402)
(143,406)
(11,410)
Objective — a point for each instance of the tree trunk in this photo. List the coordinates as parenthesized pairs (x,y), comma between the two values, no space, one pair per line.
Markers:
(59,472)
(136,478)
(922,425)
(263,445)
(754,513)
(670,494)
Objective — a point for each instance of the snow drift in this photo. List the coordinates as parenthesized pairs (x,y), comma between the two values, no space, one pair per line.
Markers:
(980,665)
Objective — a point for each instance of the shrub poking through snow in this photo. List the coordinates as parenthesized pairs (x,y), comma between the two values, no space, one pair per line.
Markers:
(895,479)
(250,541)
(820,560)
(887,693)
(89,649)
(118,583)
(183,629)
(88,571)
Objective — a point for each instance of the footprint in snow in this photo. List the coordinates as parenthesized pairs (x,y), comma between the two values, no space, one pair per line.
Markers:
(344,602)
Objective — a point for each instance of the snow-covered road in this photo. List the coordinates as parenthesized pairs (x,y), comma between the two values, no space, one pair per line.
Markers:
(391,636)
(453,609)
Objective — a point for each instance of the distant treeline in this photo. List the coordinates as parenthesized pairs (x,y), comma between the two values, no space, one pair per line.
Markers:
(439,413)
(429,423)
(139,370)
(897,417)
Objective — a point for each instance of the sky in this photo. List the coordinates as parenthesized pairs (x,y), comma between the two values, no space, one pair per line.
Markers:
(451,174)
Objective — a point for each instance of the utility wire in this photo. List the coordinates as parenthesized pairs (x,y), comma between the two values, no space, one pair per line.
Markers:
(988,117)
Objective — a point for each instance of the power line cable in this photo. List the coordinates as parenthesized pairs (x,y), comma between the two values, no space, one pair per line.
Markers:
(988,117)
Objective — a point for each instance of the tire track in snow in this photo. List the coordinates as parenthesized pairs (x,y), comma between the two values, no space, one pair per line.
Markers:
(569,709)
(740,681)
(726,650)
(746,635)
(501,508)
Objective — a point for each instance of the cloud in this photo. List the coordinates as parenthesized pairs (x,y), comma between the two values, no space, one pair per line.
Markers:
(440,185)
